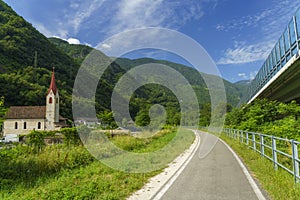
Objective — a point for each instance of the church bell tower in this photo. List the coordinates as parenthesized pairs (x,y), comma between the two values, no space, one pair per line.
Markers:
(52,105)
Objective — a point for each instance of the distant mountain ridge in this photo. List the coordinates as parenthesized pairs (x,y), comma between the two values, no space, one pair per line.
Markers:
(233,92)
(79,52)
(23,83)
(243,82)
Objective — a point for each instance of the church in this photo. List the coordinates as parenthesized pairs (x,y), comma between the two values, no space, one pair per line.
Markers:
(20,120)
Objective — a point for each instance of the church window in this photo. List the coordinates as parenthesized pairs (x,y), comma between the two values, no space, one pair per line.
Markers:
(25,125)
(16,125)
(50,100)
(39,125)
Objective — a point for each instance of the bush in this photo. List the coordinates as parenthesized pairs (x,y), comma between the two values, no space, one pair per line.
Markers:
(269,117)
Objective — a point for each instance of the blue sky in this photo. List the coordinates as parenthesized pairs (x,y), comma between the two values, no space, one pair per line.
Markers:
(237,34)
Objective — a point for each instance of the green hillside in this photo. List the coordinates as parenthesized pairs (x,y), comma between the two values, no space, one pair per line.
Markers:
(19,41)
(77,51)
(192,75)
(242,87)
(149,94)
(24,83)
(21,83)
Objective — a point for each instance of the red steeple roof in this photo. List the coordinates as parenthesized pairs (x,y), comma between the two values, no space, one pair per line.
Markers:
(52,84)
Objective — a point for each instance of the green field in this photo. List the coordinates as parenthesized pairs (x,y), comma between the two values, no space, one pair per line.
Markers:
(70,172)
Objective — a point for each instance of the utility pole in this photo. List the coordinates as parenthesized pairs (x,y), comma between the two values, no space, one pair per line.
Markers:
(35,60)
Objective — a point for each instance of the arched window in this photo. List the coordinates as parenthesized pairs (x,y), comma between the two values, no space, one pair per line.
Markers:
(16,125)
(25,125)
(39,125)
(50,100)
(57,100)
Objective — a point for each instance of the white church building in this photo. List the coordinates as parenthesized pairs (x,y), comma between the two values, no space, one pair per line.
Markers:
(20,120)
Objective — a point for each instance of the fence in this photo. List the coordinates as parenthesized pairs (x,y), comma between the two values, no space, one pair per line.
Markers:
(282,152)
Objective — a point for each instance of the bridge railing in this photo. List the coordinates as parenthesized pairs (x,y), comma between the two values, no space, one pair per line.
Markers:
(282,152)
(287,47)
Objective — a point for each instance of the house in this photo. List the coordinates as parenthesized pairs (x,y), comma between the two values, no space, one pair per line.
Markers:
(87,121)
(21,120)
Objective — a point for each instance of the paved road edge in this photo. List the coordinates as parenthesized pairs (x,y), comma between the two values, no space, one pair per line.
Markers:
(159,184)
(251,181)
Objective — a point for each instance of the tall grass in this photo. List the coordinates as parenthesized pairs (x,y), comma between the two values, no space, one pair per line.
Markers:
(70,172)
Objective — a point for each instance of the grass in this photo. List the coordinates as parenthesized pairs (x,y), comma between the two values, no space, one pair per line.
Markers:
(141,145)
(70,172)
(94,181)
(279,184)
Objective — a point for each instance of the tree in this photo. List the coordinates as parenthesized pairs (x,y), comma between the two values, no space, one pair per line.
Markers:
(36,140)
(107,119)
(142,118)
(2,112)
(205,115)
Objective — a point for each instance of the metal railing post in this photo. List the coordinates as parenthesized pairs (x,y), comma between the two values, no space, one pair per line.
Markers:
(239,135)
(262,148)
(242,136)
(295,161)
(253,141)
(274,153)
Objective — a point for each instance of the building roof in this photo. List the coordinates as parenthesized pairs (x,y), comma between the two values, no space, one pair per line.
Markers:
(52,84)
(26,112)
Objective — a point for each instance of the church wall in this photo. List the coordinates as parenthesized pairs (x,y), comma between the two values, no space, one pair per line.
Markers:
(9,126)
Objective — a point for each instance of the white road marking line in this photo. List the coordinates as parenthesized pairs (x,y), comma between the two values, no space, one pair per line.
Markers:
(165,188)
(254,186)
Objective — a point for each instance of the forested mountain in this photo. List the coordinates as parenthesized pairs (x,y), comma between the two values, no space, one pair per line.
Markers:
(195,78)
(23,82)
(76,51)
(242,87)
(20,82)
(19,41)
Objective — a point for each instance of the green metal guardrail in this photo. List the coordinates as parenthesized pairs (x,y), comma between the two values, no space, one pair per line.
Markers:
(282,152)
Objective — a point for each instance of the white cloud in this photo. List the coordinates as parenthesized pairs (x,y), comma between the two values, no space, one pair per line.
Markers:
(105,46)
(83,11)
(243,75)
(73,41)
(245,53)
(136,14)
(115,17)
(270,19)
(269,24)
(137,39)
(42,29)
(253,74)
(132,14)
(249,76)
(106,18)
(220,27)
(88,44)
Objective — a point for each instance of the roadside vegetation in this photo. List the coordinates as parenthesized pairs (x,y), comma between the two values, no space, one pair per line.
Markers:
(34,170)
(268,117)
(271,118)
(279,184)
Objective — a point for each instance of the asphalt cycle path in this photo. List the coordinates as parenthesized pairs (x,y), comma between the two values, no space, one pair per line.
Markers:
(219,175)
